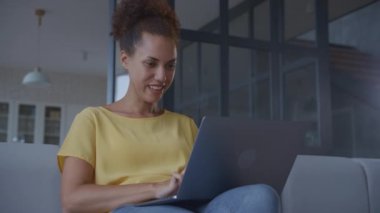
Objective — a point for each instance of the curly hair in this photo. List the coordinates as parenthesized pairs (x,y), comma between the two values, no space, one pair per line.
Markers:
(133,17)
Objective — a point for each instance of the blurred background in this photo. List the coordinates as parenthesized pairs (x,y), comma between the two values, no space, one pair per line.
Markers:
(301,60)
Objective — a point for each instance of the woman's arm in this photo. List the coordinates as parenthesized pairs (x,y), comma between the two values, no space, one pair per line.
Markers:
(80,194)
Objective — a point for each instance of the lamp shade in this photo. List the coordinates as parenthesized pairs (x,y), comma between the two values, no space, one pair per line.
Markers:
(36,78)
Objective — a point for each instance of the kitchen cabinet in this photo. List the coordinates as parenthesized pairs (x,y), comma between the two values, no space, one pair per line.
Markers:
(31,122)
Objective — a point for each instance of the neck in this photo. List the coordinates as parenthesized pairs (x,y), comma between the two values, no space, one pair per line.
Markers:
(139,108)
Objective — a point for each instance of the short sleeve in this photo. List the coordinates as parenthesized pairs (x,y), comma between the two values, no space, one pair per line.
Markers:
(80,141)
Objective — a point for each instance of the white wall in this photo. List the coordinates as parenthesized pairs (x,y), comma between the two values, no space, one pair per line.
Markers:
(71,91)
(29,177)
(64,88)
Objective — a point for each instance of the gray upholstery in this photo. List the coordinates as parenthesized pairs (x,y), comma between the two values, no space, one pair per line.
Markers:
(29,178)
(29,182)
(372,171)
(321,184)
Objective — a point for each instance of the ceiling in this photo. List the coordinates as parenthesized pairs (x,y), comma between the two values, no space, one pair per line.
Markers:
(74,33)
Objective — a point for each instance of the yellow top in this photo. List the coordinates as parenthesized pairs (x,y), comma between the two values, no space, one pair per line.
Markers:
(125,150)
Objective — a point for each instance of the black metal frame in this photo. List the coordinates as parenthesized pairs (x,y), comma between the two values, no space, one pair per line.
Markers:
(276,47)
(111,71)
(323,78)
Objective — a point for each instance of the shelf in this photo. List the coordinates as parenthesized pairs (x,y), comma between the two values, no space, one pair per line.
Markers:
(31,121)
(25,133)
(26,117)
(3,126)
(51,140)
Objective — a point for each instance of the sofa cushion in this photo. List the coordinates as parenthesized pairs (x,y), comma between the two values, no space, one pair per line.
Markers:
(29,178)
(325,184)
(372,171)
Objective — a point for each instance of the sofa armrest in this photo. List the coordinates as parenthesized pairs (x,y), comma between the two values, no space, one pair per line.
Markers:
(372,171)
(325,184)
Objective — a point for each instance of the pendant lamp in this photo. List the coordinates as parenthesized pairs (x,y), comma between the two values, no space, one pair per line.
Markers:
(36,77)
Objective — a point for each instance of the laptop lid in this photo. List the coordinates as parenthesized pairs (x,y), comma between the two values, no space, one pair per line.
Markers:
(231,152)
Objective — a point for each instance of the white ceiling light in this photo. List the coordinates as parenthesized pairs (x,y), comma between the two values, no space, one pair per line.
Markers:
(36,77)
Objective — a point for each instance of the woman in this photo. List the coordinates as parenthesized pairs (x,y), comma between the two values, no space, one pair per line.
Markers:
(132,151)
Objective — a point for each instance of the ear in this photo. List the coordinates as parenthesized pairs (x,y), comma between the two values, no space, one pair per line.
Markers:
(124,58)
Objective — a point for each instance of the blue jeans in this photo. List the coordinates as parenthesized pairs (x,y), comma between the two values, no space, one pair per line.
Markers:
(258,198)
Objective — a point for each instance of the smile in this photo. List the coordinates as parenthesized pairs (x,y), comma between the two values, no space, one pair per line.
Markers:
(157,88)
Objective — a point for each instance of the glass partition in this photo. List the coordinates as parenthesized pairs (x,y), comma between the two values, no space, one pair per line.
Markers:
(261,21)
(240,62)
(197,82)
(199,15)
(354,61)
(299,22)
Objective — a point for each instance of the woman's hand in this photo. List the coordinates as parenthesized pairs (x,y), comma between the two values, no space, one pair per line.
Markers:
(79,193)
(169,187)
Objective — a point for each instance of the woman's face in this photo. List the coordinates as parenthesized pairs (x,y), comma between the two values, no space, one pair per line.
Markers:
(151,68)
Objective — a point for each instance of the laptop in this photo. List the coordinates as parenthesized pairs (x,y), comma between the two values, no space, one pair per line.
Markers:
(231,152)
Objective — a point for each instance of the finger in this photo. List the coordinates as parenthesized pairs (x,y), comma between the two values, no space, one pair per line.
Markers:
(173,180)
(178,177)
(183,171)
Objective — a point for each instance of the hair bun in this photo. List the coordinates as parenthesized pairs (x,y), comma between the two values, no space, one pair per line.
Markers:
(131,12)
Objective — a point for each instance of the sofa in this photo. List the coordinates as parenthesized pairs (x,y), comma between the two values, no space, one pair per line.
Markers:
(29,178)
(30,181)
(325,184)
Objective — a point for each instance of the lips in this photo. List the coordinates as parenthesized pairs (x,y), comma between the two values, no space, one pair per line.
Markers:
(157,88)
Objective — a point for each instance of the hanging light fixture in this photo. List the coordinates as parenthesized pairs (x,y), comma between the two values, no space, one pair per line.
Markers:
(36,77)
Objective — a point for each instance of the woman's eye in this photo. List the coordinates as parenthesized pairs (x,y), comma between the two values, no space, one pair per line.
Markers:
(171,66)
(150,64)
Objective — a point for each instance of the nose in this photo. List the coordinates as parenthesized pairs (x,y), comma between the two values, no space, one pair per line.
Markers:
(160,74)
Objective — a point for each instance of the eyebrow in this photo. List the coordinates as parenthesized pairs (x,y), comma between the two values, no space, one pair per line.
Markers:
(156,59)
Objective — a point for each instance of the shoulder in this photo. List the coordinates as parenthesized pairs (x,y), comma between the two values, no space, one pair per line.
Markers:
(178,117)
(185,123)
(90,113)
